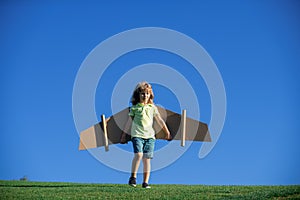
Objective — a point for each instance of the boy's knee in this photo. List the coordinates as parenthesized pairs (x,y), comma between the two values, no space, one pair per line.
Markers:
(138,156)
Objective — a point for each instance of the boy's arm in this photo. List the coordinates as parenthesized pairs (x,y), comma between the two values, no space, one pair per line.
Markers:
(162,124)
(125,130)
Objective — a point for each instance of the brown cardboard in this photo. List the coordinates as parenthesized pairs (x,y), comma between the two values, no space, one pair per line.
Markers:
(94,136)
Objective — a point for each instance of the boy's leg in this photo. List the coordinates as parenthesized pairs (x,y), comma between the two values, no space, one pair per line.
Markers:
(148,155)
(137,144)
(147,169)
(136,163)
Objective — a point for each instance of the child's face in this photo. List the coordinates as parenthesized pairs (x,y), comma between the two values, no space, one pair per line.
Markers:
(144,96)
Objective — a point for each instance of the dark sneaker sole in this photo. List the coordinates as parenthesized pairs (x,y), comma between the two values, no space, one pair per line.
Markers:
(146,186)
(132,185)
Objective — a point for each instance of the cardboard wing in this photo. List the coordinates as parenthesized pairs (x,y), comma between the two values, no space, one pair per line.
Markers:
(109,130)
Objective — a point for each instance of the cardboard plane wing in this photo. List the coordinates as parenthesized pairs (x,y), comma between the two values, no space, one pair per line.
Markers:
(109,130)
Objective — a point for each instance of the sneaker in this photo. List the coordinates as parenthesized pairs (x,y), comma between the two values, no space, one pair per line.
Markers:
(132,181)
(145,185)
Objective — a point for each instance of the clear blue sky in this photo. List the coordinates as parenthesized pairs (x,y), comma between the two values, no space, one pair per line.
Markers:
(255,45)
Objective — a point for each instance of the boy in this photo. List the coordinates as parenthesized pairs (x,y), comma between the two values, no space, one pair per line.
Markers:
(142,113)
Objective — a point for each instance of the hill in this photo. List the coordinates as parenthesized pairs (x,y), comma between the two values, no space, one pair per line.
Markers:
(53,190)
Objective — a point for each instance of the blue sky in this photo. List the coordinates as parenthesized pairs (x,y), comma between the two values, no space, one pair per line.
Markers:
(255,45)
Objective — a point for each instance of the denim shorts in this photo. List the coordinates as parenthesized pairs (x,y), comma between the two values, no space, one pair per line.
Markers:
(145,146)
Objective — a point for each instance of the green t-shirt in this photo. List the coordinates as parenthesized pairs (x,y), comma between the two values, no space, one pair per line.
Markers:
(142,125)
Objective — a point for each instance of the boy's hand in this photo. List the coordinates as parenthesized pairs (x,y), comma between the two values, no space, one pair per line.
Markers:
(123,138)
(168,137)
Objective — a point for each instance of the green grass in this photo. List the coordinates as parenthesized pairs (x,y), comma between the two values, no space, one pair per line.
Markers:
(51,190)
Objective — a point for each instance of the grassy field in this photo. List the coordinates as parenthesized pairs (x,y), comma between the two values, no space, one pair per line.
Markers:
(51,190)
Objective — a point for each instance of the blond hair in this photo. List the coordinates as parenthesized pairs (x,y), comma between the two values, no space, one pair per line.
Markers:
(142,87)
